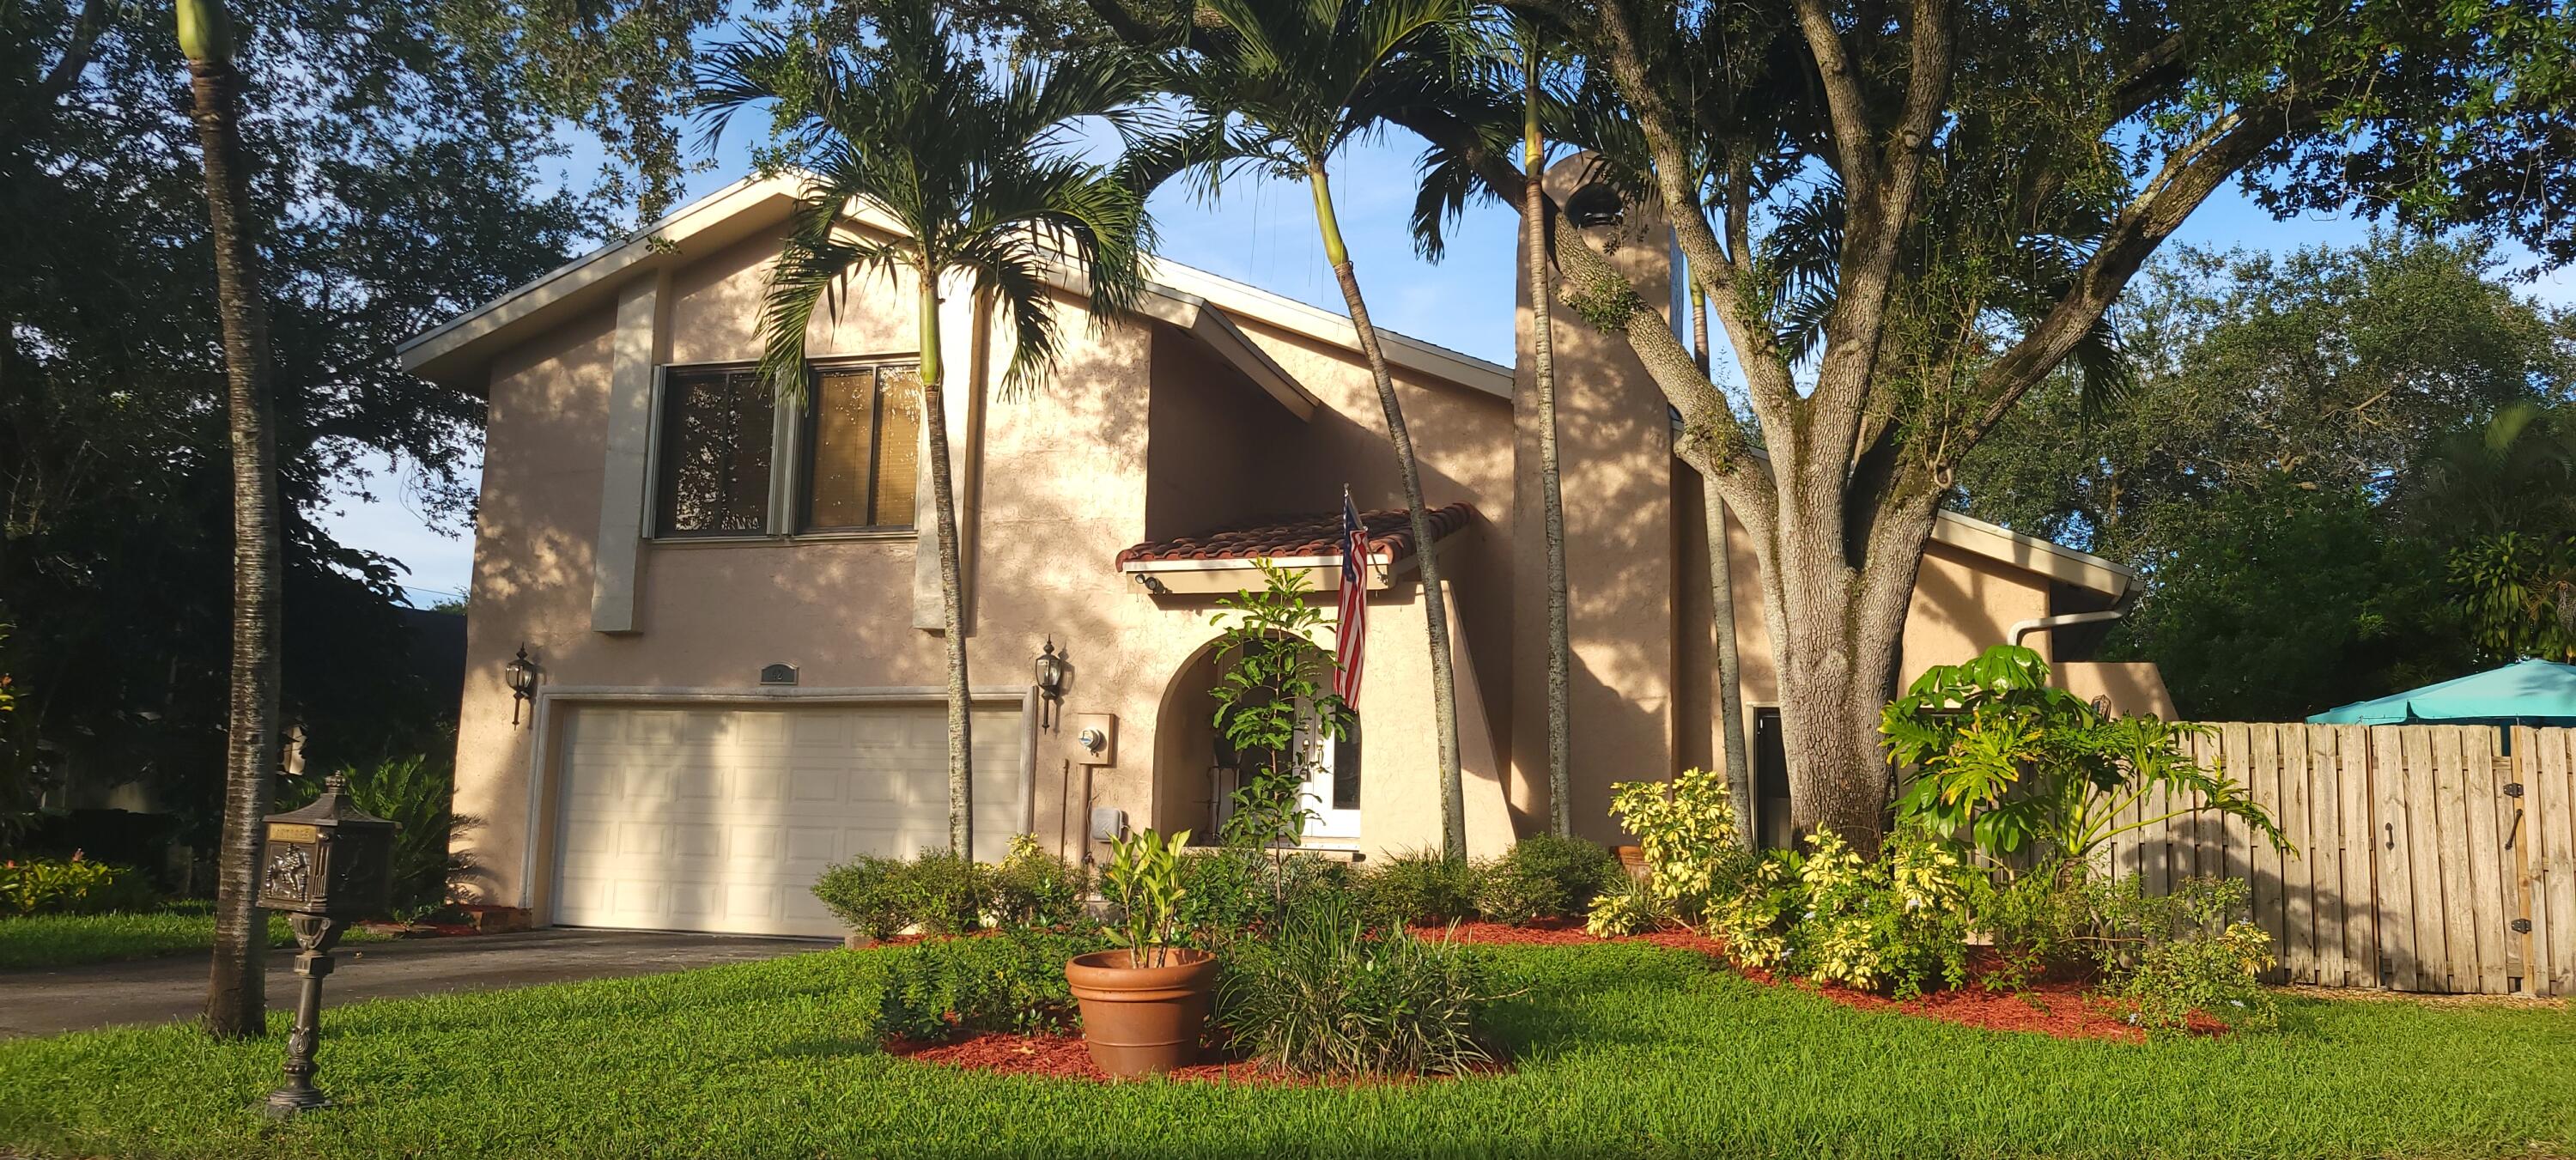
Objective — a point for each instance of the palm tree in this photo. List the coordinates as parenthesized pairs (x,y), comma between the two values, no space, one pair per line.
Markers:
(236,992)
(1289,83)
(977,169)
(1721,591)
(1551,492)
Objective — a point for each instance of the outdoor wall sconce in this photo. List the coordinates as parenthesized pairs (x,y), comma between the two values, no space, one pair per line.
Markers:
(1595,204)
(1051,671)
(521,673)
(327,863)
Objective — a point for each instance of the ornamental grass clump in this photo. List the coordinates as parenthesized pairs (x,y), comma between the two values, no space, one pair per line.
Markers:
(1328,996)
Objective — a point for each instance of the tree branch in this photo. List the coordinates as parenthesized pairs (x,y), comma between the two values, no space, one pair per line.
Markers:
(2185,180)
(1844,103)
(67,69)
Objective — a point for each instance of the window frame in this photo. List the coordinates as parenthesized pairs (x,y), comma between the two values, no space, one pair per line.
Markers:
(656,466)
(798,504)
(791,441)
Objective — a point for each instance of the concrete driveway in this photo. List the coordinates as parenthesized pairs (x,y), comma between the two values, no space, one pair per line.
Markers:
(53,1000)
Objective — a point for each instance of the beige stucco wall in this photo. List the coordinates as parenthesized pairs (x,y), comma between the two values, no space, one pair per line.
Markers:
(1054,483)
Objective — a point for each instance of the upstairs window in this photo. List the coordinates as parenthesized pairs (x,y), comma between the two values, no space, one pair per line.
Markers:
(730,462)
(718,432)
(864,431)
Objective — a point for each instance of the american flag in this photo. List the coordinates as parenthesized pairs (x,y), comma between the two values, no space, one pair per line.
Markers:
(1350,638)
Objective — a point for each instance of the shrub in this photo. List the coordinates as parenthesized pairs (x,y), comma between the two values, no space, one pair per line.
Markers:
(857,893)
(942,892)
(1687,830)
(2035,921)
(1421,888)
(1546,877)
(1012,981)
(1034,888)
(1238,890)
(1629,908)
(73,885)
(2188,950)
(1754,919)
(1890,924)
(1327,997)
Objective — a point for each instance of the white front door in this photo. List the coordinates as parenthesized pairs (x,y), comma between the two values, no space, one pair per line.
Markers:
(720,817)
(1332,792)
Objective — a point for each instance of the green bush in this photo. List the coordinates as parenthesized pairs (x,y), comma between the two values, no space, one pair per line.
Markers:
(1686,828)
(2190,950)
(1034,888)
(1235,891)
(73,885)
(943,894)
(1421,888)
(1009,981)
(1328,997)
(857,892)
(1546,877)
(1625,909)
(1896,923)
(417,793)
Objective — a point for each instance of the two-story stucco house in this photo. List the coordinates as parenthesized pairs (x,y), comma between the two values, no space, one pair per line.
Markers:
(732,609)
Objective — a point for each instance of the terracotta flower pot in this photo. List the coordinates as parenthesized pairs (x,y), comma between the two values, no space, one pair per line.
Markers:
(1142,1020)
(1633,860)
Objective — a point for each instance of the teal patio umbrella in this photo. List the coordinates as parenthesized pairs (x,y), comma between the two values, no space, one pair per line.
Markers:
(2541,693)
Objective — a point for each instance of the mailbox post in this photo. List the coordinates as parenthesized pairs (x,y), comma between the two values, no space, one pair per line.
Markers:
(326,864)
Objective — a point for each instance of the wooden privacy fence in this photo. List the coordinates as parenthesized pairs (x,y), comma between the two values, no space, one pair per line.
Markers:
(2427,857)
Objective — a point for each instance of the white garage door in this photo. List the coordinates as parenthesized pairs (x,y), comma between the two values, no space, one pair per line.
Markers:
(720,818)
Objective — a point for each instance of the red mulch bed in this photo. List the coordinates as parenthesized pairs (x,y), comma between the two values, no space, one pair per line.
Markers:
(1064,1057)
(2054,1007)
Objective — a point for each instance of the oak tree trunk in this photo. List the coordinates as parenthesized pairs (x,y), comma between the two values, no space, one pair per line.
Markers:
(1444,679)
(236,993)
(952,589)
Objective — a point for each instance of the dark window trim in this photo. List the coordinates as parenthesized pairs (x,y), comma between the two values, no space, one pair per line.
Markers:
(661,451)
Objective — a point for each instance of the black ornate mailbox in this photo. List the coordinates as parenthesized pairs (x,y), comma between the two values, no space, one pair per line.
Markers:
(326,864)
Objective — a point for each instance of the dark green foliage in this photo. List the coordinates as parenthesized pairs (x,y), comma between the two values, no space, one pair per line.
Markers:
(417,793)
(943,892)
(1418,888)
(72,885)
(1234,891)
(1327,996)
(1009,981)
(1545,876)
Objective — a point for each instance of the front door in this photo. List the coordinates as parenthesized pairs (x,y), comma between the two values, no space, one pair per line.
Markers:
(1332,793)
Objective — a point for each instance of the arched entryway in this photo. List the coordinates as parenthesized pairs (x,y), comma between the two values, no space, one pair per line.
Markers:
(1195,770)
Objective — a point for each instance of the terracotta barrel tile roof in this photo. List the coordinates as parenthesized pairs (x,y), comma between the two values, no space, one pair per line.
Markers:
(1390,535)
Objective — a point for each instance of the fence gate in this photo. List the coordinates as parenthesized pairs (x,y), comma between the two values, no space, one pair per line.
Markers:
(2423,857)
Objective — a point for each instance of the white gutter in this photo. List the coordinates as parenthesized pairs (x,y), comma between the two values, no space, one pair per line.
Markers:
(2022,628)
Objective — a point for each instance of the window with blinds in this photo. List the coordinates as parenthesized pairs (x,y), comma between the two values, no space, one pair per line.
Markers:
(863,436)
(717,431)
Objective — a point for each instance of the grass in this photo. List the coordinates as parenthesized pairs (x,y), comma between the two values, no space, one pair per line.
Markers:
(1622,1049)
(62,940)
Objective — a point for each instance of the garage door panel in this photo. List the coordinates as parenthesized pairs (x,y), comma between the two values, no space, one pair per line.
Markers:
(711,818)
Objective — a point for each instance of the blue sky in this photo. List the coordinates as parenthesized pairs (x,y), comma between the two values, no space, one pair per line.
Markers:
(1264,233)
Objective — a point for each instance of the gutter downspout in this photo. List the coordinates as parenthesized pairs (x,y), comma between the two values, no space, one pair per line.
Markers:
(2022,628)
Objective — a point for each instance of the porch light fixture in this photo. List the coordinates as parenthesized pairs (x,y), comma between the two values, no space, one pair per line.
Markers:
(1595,204)
(521,673)
(1050,681)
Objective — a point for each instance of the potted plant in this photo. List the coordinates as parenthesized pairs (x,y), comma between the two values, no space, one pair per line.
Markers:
(1145,1001)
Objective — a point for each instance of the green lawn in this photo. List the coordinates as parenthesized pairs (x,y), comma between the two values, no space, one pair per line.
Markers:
(1623,1048)
(62,940)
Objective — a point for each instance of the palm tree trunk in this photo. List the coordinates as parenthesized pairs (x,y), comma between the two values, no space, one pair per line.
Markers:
(1444,677)
(1721,591)
(236,993)
(1560,649)
(952,589)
